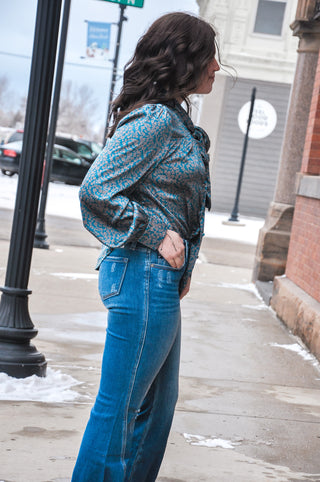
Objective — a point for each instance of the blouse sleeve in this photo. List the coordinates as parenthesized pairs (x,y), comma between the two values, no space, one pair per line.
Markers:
(139,142)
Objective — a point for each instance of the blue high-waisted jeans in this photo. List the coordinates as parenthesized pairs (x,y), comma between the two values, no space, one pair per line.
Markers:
(127,432)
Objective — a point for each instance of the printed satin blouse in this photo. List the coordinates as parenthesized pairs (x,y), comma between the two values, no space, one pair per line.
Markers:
(152,175)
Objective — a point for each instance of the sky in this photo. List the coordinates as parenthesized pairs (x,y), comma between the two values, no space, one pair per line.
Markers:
(16,42)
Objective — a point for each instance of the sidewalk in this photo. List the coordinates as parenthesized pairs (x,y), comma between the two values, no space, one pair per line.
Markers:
(249,407)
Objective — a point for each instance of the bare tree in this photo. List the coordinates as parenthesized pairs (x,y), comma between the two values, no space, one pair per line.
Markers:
(3,89)
(3,94)
(9,116)
(77,110)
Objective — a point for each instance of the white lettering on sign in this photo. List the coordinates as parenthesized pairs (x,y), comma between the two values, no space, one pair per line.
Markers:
(264,119)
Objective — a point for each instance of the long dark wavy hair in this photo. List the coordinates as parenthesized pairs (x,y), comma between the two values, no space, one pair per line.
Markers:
(167,64)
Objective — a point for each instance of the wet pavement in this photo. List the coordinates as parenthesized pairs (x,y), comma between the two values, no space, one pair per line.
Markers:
(249,406)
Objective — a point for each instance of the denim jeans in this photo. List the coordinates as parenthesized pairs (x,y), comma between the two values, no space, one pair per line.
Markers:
(129,424)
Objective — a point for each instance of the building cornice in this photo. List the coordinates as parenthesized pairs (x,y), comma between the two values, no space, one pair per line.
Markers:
(308,31)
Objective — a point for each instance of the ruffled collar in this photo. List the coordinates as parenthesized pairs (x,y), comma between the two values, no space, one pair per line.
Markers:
(202,137)
(197,132)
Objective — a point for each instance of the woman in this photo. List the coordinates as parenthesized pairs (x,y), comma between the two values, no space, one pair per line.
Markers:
(144,198)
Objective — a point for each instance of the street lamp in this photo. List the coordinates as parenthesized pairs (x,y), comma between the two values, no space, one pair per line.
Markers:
(18,357)
(40,234)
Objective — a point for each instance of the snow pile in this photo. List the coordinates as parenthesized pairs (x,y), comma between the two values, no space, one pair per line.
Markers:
(295,347)
(261,306)
(54,388)
(250,287)
(212,442)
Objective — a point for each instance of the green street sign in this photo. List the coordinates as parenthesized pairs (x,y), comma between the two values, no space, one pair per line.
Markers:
(128,3)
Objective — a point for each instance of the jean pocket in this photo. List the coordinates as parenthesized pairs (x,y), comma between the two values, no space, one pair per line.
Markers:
(111,275)
(162,263)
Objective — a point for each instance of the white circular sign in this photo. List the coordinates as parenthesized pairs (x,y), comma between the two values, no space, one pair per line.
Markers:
(264,119)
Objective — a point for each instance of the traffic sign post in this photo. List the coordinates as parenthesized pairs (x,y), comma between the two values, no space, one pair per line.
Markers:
(235,211)
(127,3)
(122,4)
(115,69)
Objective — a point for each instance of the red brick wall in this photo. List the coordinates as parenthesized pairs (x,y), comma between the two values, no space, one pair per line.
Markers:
(303,264)
(311,155)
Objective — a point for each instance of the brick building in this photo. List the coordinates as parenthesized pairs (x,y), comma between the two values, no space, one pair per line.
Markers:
(296,296)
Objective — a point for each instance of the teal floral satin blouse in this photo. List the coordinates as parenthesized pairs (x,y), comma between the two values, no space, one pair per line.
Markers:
(152,175)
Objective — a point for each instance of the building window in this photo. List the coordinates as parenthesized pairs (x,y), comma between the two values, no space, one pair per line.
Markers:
(269,17)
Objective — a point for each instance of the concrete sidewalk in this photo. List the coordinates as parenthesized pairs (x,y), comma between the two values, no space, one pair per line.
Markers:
(249,407)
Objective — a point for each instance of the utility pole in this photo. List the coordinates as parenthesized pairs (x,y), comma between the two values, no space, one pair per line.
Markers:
(122,18)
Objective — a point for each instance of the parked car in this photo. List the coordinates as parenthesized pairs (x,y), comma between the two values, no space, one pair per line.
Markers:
(89,150)
(67,166)
(95,147)
(10,157)
(86,149)
(15,136)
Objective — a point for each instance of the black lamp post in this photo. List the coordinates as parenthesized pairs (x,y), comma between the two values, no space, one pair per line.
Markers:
(40,234)
(235,211)
(18,357)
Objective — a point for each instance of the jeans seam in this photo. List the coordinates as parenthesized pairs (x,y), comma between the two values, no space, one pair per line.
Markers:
(138,455)
(146,318)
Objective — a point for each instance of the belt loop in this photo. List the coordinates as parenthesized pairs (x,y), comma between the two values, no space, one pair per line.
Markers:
(131,244)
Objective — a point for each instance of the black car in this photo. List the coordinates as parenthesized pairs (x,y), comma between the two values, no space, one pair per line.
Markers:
(10,157)
(89,150)
(67,166)
(16,136)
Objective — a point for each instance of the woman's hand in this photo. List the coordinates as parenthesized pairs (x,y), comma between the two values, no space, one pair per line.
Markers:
(172,249)
(186,289)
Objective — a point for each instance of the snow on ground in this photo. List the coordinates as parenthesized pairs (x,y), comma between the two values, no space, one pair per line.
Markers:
(202,441)
(251,287)
(56,387)
(63,201)
(248,233)
(62,198)
(296,348)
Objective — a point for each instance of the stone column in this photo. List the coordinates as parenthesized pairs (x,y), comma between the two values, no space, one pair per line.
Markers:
(273,243)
